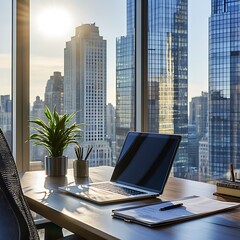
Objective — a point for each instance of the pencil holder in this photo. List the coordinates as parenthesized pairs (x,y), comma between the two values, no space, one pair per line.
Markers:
(80,168)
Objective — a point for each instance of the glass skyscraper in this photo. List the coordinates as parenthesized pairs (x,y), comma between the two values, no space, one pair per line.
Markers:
(125,80)
(167,75)
(224,86)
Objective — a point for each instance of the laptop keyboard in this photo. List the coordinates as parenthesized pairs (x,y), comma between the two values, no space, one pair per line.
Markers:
(117,189)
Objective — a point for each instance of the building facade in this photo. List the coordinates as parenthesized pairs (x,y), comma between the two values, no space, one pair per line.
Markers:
(204,159)
(111,126)
(125,80)
(37,153)
(197,128)
(6,117)
(198,114)
(167,75)
(224,86)
(54,92)
(85,89)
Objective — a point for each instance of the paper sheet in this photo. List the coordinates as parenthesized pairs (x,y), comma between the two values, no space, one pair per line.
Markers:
(192,206)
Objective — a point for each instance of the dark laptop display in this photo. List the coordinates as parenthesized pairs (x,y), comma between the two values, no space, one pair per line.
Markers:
(141,171)
(146,160)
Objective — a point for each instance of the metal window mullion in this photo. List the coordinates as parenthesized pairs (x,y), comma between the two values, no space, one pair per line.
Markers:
(141,60)
(20,82)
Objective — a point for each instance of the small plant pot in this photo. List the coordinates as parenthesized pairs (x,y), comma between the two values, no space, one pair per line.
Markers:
(56,166)
(80,168)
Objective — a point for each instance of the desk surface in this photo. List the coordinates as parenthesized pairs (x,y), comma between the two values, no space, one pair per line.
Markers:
(96,222)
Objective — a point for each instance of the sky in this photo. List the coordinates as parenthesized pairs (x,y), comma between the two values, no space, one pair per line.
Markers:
(47,45)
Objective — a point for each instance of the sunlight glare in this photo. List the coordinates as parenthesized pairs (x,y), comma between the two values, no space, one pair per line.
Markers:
(54,22)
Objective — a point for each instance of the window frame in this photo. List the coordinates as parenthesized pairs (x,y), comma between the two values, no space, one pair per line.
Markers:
(21,73)
(20,81)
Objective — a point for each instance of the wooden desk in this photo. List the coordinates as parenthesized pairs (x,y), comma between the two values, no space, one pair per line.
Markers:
(96,222)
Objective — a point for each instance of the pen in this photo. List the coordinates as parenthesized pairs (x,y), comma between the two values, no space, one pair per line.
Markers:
(232,172)
(171,207)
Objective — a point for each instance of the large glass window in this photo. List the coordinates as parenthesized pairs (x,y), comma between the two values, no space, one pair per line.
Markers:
(5,69)
(84,61)
(81,52)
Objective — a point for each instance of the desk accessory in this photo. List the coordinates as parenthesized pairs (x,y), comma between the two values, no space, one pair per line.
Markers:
(191,207)
(229,187)
(171,207)
(80,166)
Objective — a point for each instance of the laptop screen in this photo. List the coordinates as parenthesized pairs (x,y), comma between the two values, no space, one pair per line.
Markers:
(146,160)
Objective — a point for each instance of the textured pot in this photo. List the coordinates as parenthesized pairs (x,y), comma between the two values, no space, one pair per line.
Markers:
(56,166)
(80,168)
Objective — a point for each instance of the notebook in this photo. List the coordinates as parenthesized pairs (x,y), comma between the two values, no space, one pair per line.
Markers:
(158,214)
(141,171)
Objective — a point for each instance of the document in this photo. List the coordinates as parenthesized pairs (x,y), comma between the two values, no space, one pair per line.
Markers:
(173,211)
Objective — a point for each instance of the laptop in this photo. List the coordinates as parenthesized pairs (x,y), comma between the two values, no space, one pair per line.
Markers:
(141,171)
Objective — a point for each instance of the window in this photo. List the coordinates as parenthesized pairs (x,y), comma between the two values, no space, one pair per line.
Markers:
(73,67)
(154,60)
(5,69)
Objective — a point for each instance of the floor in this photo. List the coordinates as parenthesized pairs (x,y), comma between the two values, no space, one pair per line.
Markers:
(42,231)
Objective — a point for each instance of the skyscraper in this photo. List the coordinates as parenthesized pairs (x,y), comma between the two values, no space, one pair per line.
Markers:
(198,127)
(198,114)
(37,153)
(85,89)
(54,92)
(6,117)
(111,126)
(167,75)
(224,86)
(125,80)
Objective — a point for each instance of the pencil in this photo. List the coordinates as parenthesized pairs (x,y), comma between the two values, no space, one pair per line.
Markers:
(232,172)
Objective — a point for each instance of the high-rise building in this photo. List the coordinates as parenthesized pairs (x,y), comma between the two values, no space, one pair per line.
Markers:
(111,126)
(111,130)
(203,159)
(125,80)
(198,114)
(54,92)
(37,153)
(224,86)
(167,75)
(192,147)
(197,128)
(5,103)
(6,117)
(85,89)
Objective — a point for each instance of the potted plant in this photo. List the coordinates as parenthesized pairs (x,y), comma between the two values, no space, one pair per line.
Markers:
(55,135)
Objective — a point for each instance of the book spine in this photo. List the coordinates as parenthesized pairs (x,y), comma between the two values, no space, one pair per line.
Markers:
(234,185)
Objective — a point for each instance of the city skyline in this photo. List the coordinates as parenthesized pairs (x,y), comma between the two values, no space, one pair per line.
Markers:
(44,65)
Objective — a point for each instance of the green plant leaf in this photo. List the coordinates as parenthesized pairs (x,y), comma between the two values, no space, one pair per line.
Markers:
(56,134)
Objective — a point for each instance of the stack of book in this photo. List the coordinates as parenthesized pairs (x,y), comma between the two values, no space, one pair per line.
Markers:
(229,188)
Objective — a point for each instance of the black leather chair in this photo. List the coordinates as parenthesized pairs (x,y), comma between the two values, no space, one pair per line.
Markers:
(16,221)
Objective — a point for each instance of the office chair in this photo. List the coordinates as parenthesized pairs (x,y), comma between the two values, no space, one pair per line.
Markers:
(16,221)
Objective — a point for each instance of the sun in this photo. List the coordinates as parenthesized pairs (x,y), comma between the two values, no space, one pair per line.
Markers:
(54,22)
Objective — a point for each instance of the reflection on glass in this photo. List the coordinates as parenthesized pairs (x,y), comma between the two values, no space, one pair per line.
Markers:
(168,74)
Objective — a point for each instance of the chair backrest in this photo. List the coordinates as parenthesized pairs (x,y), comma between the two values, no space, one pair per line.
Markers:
(13,206)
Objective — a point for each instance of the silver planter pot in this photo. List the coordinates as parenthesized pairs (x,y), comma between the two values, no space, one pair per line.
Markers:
(56,166)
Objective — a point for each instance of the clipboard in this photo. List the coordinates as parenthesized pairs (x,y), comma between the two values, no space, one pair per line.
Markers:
(189,208)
